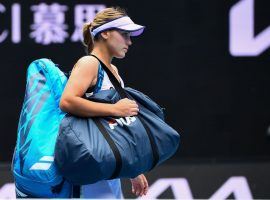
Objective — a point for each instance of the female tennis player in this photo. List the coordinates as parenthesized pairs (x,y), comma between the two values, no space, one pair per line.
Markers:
(108,36)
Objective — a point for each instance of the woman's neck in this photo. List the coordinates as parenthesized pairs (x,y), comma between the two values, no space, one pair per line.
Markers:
(103,55)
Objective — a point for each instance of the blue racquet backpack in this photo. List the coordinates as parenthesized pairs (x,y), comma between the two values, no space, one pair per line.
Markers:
(34,169)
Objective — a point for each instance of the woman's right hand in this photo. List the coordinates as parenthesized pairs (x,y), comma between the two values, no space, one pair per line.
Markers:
(126,108)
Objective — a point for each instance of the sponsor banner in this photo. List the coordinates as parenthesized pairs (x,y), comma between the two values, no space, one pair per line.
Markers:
(245,180)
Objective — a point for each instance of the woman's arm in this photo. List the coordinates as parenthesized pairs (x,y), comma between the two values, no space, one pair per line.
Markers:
(83,76)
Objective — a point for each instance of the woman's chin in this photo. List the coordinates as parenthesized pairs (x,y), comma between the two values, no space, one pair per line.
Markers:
(122,55)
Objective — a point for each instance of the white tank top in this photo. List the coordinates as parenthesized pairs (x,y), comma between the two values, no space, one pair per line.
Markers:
(103,82)
(107,84)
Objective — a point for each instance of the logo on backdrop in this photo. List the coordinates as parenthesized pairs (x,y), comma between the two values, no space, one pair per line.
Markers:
(236,185)
(49,24)
(242,38)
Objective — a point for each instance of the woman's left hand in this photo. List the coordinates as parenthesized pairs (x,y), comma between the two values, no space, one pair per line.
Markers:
(139,185)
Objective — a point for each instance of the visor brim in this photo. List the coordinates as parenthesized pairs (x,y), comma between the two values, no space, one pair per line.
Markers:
(134,29)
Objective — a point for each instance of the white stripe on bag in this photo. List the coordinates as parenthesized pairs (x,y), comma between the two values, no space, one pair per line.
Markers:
(41,166)
(47,158)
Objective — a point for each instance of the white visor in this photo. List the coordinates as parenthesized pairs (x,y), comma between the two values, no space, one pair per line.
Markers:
(122,23)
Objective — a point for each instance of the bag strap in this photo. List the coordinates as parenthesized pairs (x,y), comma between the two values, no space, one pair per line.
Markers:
(113,79)
(117,155)
(76,191)
(123,94)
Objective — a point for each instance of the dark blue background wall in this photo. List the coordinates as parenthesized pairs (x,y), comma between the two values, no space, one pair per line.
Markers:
(219,102)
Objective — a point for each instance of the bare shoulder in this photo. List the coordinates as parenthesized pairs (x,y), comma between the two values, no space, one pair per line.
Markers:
(87,61)
(86,66)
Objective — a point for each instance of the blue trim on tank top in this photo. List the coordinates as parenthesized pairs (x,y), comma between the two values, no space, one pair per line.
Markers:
(100,78)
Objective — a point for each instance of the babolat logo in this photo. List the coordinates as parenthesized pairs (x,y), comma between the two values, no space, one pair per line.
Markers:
(123,121)
(44,163)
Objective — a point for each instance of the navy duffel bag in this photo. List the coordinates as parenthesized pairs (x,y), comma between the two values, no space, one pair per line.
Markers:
(93,149)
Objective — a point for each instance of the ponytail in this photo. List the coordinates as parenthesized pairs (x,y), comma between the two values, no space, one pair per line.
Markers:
(87,37)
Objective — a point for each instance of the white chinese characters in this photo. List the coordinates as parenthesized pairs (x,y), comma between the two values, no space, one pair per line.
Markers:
(83,13)
(15,23)
(50,24)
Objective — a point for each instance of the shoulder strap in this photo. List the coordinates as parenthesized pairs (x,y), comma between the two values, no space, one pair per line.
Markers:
(112,78)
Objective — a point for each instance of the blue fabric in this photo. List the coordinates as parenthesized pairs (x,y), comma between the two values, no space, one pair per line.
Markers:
(78,149)
(105,189)
(34,169)
(100,78)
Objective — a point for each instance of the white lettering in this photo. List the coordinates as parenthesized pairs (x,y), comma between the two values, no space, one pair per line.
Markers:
(179,186)
(238,186)
(84,13)
(119,121)
(125,120)
(242,39)
(49,23)
(8,191)
(122,121)
(16,23)
(4,34)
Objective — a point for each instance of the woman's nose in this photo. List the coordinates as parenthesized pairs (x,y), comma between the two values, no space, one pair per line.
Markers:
(129,41)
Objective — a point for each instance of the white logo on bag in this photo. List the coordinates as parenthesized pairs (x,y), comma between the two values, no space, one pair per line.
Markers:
(43,164)
(123,121)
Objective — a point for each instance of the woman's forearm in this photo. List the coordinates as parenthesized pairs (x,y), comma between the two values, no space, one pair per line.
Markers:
(85,108)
